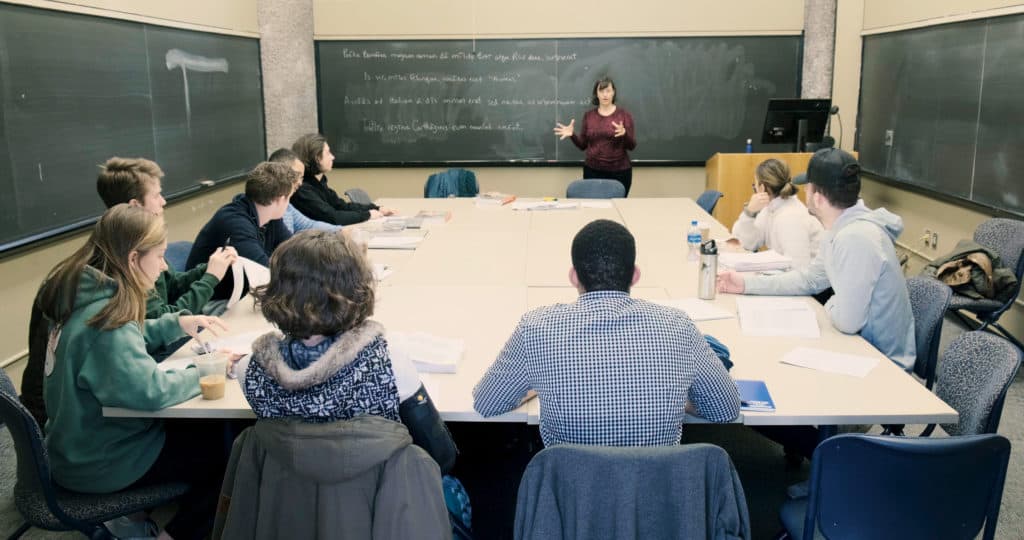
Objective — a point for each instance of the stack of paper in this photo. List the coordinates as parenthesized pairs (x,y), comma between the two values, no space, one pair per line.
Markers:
(544,205)
(754,262)
(831,362)
(697,309)
(429,353)
(774,316)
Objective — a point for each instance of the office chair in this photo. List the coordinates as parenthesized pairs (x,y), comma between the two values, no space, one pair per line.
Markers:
(595,188)
(358,195)
(177,254)
(708,200)
(906,488)
(929,299)
(46,505)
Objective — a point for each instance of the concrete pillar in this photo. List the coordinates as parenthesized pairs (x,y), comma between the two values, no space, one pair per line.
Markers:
(289,70)
(819,48)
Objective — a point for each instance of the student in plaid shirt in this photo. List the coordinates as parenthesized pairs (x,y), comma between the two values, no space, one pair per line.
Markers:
(609,369)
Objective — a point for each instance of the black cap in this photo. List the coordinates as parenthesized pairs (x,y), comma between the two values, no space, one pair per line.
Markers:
(830,167)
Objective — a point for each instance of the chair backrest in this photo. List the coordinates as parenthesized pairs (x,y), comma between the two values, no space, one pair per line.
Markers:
(682,491)
(33,463)
(358,195)
(1005,237)
(708,200)
(177,254)
(451,183)
(865,486)
(973,376)
(595,188)
(929,299)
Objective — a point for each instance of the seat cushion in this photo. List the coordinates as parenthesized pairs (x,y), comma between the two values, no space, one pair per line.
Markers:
(960,301)
(93,507)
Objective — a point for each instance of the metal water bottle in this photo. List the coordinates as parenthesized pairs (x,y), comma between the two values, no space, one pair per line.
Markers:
(708,273)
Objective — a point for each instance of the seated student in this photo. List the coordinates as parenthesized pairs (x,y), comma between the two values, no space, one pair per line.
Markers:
(251,223)
(293,219)
(318,201)
(94,302)
(857,259)
(609,369)
(776,219)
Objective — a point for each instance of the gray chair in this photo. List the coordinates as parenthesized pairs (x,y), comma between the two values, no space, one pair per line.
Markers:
(46,505)
(929,300)
(595,188)
(865,486)
(595,492)
(976,370)
(708,200)
(177,255)
(1006,238)
(357,195)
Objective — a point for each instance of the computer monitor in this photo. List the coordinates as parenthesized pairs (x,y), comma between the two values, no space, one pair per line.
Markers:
(795,121)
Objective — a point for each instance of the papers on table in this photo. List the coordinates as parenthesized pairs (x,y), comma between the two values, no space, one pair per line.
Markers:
(754,262)
(544,205)
(429,353)
(391,241)
(494,198)
(246,270)
(775,316)
(830,362)
(697,309)
(237,344)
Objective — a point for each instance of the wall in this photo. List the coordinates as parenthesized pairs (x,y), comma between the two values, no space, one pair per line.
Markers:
(223,16)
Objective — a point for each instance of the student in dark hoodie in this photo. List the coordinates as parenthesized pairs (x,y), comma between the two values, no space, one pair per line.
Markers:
(94,303)
(315,198)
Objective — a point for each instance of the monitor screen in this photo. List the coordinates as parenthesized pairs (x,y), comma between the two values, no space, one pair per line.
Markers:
(782,121)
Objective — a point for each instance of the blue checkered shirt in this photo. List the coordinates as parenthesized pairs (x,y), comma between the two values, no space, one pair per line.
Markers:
(610,370)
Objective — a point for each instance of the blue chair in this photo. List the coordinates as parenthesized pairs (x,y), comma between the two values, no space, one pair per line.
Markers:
(358,195)
(177,255)
(708,200)
(45,505)
(929,300)
(595,188)
(451,183)
(865,486)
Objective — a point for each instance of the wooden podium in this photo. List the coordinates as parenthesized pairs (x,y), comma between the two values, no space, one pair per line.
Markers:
(733,175)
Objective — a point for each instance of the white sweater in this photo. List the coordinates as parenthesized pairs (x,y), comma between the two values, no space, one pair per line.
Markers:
(785,226)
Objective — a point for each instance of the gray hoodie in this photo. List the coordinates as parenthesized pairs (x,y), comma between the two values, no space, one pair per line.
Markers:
(858,260)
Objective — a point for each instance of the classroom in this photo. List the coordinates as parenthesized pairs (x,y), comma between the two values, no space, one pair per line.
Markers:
(839,46)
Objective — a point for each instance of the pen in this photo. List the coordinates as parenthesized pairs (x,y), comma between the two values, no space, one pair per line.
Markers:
(227,243)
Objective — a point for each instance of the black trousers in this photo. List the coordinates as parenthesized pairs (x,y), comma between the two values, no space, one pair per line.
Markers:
(625,177)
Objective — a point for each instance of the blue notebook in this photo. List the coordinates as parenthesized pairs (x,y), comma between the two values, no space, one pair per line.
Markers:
(754,396)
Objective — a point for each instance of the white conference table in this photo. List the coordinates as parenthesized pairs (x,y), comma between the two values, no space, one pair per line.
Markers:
(474,276)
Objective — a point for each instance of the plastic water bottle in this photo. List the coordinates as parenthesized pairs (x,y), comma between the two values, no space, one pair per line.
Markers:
(693,241)
(750,146)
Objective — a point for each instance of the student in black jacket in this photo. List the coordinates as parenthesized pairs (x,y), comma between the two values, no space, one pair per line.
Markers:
(251,223)
(318,201)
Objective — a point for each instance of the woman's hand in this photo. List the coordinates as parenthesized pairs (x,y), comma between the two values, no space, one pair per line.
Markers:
(191,324)
(620,130)
(758,200)
(564,131)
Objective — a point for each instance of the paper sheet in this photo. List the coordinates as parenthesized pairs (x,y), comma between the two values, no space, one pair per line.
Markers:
(774,316)
(697,309)
(753,262)
(384,241)
(544,205)
(830,362)
(254,272)
(429,353)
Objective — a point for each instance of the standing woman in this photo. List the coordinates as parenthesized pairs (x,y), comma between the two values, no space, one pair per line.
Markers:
(95,305)
(608,133)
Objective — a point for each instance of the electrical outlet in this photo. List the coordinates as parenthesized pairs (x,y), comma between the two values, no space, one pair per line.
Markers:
(927,238)
(935,240)
(888,137)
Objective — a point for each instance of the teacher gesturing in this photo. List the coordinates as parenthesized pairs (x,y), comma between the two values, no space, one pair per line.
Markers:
(608,133)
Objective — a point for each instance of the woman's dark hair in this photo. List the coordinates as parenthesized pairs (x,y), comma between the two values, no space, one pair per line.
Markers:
(320,284)
(601,84)
(310,148)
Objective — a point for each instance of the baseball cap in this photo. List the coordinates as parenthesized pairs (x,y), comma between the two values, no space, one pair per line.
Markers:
(830,167)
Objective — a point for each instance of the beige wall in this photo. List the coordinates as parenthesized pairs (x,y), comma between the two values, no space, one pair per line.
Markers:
(468,18)
(886,15)
(224,16)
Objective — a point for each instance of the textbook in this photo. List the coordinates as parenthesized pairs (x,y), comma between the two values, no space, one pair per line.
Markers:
(754,396)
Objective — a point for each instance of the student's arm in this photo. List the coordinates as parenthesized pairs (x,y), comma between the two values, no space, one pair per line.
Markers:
(800,282)
(712,391)
(748,232)
(302,223)
(307,201)
(120,373)
(580,139)
(185,291)
(246,241)
(860,264)
(162,330)
(504,386)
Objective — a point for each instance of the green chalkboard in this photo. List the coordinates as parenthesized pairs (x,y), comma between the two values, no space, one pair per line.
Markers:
(76,90)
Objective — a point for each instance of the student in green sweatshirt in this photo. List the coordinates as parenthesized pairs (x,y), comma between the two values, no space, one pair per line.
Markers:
(94,303)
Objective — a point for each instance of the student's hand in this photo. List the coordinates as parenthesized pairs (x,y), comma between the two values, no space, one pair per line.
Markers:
(387,211)
(220,261)
(758,200)
(730,281)
(620,130)
(374,214)
(564,131)
(191,324)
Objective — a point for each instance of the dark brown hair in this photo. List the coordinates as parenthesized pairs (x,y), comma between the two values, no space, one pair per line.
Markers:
(774,175)
(601,84)
(123,179)
(320,284)
(269,181)
(310,148)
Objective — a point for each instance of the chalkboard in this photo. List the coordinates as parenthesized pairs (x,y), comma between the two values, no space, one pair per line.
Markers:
(387,102)
(76,90)
(940,110)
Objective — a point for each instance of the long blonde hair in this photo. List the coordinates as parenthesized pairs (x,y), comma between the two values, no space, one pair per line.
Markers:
(121,230)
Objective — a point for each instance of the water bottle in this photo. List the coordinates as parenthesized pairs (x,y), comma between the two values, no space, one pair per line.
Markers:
(708,273)
(750,146)
(693,241)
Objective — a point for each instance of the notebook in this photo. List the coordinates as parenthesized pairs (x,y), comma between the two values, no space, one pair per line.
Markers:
(754,396)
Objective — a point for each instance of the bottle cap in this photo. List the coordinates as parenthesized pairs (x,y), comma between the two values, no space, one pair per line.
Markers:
(709,248)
